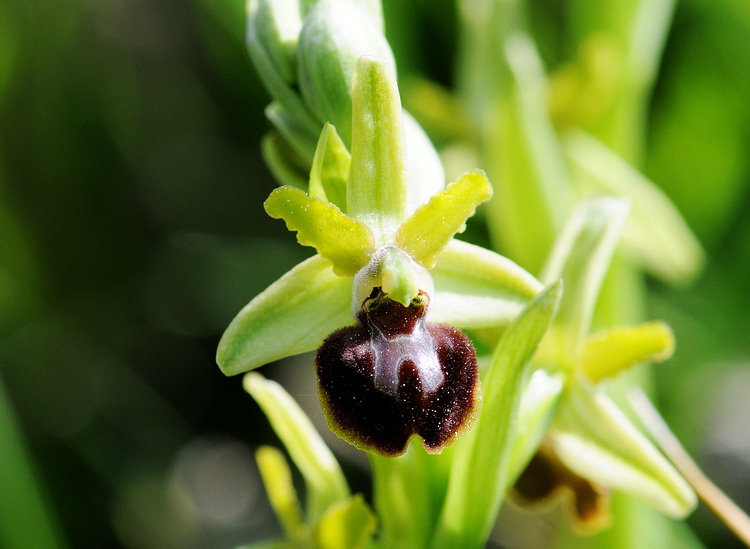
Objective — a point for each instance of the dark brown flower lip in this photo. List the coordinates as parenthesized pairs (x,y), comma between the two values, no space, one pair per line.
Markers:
(395,375)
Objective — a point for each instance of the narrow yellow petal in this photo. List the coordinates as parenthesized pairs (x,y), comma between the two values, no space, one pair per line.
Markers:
(344,241)
(608,352)
(428,230)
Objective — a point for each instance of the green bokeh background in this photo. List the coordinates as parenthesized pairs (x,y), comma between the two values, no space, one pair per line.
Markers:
(132,230)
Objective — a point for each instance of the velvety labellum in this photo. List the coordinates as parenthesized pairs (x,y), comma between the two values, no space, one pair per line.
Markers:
(394,375)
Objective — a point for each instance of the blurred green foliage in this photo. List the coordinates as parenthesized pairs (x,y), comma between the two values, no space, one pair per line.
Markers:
(132,230)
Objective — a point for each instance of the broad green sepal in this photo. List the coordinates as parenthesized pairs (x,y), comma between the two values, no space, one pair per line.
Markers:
(346,242)
(330,168)
(428,230)
(597,441)
(292,316)
(581,258)
(377,188)
(655,232)
(349,524)
(335,34)
(611,351)
(324,479)
(277,479)
(480,472)
(477,288)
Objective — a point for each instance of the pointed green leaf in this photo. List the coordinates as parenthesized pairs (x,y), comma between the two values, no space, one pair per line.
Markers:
(425,233)
(598,442)
(581,257)
(609,352)
(480,473)
(377,182)
(477,288)
(293,315)
(325,481)
(346,242)
(330,168)
(655,231)
(348,524)
(277,478)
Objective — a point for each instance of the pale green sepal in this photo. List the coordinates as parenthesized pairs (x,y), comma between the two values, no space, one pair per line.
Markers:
(538,407)
(377,188)
(424,168)
(335,34)
(293,315)
(581,257)
(348,524)
(609,352)
(597,441)
(426,232)
(302,142)
(324,479)
(477,288)
(480,474)
(277,479)
(655,232)
(330,168)
(277,26)
(276,154)
(346,242)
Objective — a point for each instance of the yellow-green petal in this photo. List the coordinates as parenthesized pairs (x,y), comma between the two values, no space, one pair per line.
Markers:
(346,242)
(277,478)
(609,352)
(330,168)
(326,484)
(425,233)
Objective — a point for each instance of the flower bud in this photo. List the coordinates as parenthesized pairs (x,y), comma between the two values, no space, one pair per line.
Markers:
(275,25)
(394,375)
(334,35)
